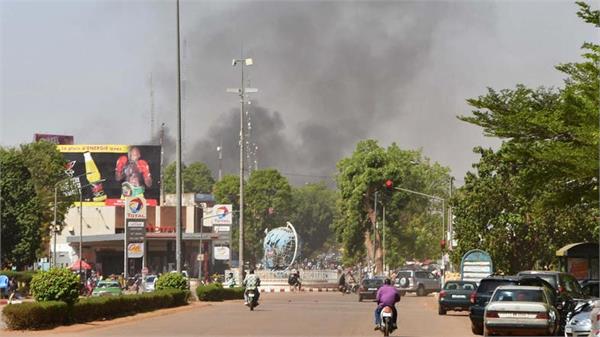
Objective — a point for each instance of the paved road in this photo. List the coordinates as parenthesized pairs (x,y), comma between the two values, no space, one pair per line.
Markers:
(283,314)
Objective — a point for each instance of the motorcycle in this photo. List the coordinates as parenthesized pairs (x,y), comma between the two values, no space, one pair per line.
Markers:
(252,301)
(386,321)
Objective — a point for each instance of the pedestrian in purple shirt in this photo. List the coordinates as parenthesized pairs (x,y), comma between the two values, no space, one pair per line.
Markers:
(387,296)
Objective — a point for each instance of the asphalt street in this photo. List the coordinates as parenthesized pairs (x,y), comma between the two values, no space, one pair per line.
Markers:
(280,314)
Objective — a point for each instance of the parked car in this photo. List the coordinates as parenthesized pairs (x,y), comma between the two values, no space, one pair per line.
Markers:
(149,283)
(421,282)
(521,310)
(590,288)
(107,288)
(579,323)
(482,296)
(456,296)
(595,319)
(567,290)
(368,288)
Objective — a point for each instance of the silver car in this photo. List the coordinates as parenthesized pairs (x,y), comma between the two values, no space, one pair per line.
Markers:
(421,282)
(595,321)
(520,310)
(149,283)
(580,325)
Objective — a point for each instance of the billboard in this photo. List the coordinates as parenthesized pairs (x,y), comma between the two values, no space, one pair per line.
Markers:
(56,139)
(108,174)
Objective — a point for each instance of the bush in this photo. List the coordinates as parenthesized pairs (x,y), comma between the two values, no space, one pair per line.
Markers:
(36,315)
(215,292)
(57,284)
(172,281)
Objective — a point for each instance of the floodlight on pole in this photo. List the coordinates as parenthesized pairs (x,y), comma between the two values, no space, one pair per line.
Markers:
(242,91)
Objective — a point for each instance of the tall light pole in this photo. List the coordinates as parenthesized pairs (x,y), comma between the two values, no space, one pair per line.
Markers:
(242,93)
(178,233)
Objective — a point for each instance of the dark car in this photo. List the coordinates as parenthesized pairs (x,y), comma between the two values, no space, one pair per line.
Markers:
(567,290)
(481,297)
(590,288)
(368,288)
(456,296)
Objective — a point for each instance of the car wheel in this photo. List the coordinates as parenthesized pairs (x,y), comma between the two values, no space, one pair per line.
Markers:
(475,329)
(441,310)
(421,290)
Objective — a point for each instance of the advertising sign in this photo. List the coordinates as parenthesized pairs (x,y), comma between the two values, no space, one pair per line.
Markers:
(56,139)
(222,215)
(111,173)
(221,252)
(135,250)
(135,219)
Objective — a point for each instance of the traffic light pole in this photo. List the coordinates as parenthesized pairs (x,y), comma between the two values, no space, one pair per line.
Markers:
(443,219)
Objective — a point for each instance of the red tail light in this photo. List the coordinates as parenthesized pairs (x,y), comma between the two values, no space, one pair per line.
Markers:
(442,294)
(542,315)
(561,289)
(491,314)
(473,297)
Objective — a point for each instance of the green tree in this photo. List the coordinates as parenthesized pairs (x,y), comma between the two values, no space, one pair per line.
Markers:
(410,219)
(47,168)
(21,211)
(314,211)
(268,204)
(539,191)
(196,177)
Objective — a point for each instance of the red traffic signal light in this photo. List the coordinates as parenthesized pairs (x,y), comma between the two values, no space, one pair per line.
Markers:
(389,184)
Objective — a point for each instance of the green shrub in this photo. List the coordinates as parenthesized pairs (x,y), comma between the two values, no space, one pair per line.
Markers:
(35,315)
(215,293)
(172,281)
(56,284)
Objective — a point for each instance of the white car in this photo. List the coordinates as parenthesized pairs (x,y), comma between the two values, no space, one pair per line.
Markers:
(521,310)
(595,318)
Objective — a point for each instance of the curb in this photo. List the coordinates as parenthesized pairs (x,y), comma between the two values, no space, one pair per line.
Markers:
(289,290)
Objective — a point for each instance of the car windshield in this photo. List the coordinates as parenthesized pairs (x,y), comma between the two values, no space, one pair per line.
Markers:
(150,279)
(488,286)
(518,295)
(372,283)
(460,286)
(103,285)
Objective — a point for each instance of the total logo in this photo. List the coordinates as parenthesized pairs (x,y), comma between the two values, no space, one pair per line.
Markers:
(222,212)
(136,205)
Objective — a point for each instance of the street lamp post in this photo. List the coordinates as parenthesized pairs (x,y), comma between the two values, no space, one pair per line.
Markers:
(242,93)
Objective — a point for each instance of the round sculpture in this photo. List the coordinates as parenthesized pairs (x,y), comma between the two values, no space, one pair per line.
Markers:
(280,247)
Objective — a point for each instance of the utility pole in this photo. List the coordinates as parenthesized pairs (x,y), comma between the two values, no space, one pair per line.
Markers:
(162,164)
(178,233)
(375,233)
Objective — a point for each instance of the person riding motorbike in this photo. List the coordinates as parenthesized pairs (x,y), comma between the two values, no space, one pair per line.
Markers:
(294,279)
(342,283)
(387,296)
(251,283)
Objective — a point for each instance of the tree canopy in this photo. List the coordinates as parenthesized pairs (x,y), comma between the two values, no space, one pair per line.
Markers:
(413,222)
(539,190)
(197,178)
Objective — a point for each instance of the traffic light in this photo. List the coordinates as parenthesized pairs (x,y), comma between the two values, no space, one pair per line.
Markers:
(389,184)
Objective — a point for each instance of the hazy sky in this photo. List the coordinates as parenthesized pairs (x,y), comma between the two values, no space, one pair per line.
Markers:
(328,73)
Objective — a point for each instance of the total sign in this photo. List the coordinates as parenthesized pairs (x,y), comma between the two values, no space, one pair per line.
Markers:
(222,215)
(135,208)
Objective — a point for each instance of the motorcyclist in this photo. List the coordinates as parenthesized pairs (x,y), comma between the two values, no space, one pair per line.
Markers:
(342,283)
(229,281)
(251,283)
(387,296)
(294,279)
